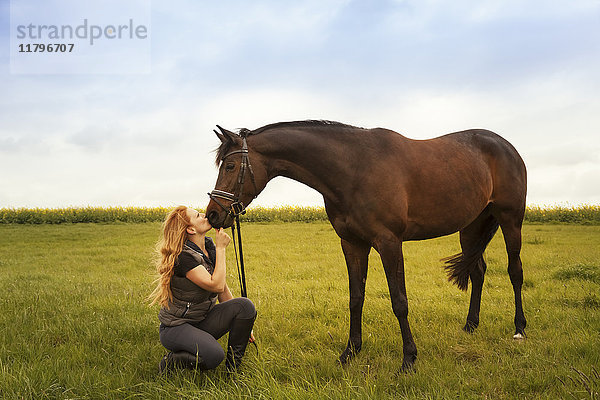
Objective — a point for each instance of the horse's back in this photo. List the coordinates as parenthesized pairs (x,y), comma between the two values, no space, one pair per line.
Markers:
(481,145)
(487,142)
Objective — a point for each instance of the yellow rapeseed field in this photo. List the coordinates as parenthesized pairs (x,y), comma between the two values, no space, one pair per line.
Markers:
(582,214)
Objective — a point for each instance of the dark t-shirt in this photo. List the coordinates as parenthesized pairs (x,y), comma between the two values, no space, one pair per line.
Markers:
(185,262)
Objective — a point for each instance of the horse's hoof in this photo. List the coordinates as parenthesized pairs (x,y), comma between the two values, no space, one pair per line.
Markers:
(408,365)
(345,357)
(343,360)
(519,334)
(470,327)
(348,355)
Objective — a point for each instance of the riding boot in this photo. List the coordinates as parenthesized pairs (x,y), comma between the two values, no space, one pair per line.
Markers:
(180,359)
(238,340)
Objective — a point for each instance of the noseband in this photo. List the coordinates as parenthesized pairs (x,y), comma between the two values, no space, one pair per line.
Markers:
(236,208)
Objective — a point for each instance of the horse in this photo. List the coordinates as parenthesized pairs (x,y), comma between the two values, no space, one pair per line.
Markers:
(380,189)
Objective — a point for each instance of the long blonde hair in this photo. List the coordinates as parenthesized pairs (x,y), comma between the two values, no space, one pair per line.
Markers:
(168,249)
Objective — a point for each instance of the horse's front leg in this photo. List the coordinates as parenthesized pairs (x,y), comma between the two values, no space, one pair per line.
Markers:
(390,250)
(357,260)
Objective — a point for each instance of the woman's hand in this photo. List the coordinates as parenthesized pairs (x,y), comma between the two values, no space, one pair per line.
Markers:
(222,239)
(214,283)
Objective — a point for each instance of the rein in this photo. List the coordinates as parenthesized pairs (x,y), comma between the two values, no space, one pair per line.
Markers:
(237,208)
(240,264)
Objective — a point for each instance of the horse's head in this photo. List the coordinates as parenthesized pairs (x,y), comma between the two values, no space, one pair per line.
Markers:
(238,181)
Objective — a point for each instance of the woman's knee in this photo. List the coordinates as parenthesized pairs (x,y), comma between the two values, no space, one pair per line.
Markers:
(247,309)
(211,355)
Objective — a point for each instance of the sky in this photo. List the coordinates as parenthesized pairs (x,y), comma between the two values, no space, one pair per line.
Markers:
(527,70)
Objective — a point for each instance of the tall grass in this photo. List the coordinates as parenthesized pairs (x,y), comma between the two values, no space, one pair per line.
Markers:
(584,214)
(145,214)
(75,323)
(81,214)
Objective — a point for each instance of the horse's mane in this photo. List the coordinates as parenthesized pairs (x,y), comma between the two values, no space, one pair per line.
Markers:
(225,147)
(294,124)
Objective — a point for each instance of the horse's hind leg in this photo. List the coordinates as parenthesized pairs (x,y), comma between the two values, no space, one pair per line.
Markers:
(471,239)
(511,223)
(477,277)
(469,264)
(357,257)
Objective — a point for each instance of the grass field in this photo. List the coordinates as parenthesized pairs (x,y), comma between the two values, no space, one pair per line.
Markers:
(75,324)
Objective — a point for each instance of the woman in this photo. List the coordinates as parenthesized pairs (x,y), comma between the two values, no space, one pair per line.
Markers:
(192,277)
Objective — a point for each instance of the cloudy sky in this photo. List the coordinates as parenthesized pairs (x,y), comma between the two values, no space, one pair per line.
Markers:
(528,70)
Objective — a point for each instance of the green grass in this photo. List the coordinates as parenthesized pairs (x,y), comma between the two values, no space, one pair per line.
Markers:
(74,322)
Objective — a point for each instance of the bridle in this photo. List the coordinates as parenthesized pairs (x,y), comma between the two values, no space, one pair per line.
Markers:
(236,208)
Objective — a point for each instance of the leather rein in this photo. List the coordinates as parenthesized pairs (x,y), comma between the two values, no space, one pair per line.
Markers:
(237,208)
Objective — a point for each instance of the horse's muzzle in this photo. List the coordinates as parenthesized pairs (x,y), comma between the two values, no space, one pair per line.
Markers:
(218,218)
(214,220)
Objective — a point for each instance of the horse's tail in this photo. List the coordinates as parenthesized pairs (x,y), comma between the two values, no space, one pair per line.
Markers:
(459,266)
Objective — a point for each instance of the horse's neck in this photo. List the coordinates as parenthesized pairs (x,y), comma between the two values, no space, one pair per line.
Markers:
(310,157)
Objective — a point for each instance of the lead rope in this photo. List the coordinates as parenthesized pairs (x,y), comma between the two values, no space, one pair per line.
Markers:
(240,262)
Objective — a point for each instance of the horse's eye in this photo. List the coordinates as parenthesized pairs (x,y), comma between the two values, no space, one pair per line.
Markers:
(229,167)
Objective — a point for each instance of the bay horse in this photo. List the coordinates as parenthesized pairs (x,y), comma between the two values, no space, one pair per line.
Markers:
(381,189)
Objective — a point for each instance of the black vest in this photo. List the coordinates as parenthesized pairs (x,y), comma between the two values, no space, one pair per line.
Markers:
(190,302)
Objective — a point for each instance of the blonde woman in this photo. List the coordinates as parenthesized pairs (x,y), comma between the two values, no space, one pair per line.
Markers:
(191,279)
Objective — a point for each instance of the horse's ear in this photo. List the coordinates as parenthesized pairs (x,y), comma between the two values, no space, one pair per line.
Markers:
(226,135)
(221,137)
